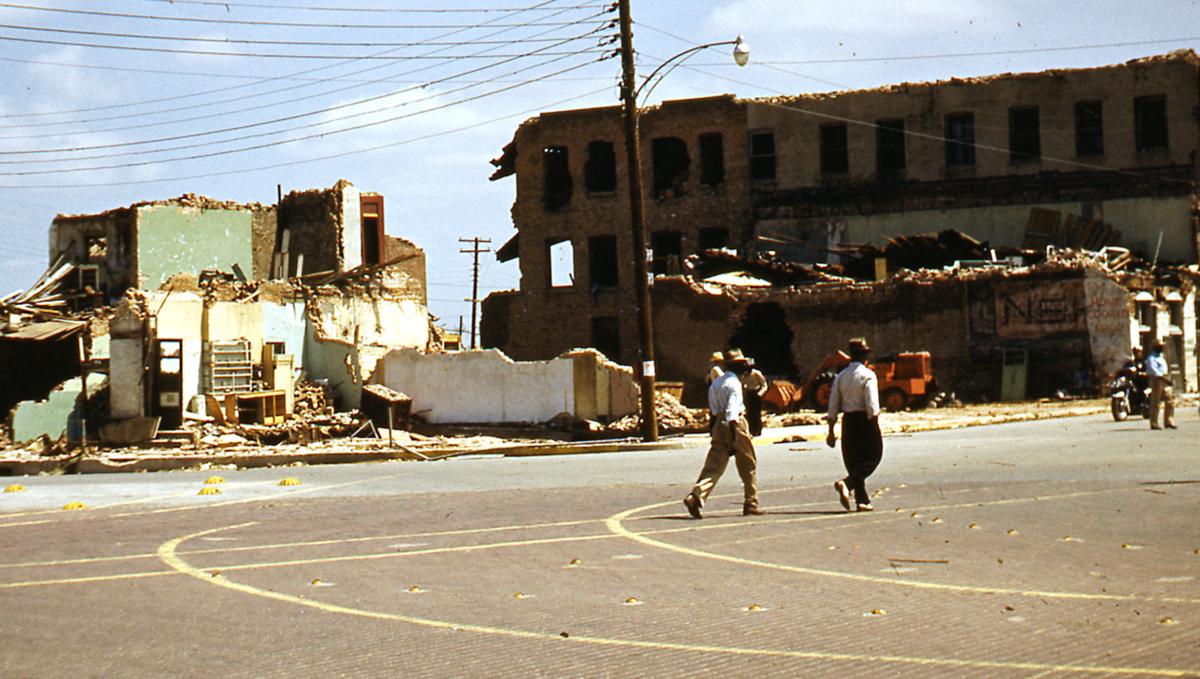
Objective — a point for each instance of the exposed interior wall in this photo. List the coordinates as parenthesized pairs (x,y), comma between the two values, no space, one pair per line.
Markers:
(70,236)
(174,239)
(285,322)
(60,414)
(180,315)
(1139,219)
(263,229)
(30,369)
(480,386)
(313,220)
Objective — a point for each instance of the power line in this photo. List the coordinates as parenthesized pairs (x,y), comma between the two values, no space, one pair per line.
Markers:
(256,95)
(285,141)
(316,159)
(239,22)
(297,116)
(380,10)
(540,6)
(249,41)
(253,55)
(259,135)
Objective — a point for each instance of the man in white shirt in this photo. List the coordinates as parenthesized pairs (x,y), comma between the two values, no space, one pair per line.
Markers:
(730,437)
(1162,392)
(855,392)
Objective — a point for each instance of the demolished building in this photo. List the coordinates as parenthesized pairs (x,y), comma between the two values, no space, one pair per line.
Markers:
(1082,159)
(192,308)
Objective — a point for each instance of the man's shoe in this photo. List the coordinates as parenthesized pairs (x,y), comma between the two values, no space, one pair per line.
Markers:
(866,507)
(1171,425)
(843,494)
(752,510)
(693,506)
(1155,426)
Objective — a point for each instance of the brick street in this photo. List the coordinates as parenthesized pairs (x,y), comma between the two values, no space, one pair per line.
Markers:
(1055,548)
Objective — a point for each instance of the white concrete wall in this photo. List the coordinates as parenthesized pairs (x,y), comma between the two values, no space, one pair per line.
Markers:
(351,228)
(181,316)
(127,392)
(480,386)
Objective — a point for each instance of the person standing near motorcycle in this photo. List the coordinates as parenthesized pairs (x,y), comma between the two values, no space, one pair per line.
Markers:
(1162,393)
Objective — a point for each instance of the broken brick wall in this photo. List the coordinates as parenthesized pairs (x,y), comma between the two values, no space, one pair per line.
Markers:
(412,265)
(313,222)
(591,211)
(966,324)
(107,240)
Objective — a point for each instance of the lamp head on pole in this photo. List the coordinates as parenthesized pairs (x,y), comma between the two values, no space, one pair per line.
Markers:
(741,51)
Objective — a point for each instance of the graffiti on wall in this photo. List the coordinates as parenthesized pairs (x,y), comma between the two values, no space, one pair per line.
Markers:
(1030,310)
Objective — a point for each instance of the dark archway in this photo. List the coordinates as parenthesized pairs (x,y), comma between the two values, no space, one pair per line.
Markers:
(765,336)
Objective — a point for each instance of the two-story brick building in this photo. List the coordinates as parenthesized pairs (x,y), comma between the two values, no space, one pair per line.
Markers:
(1112,147)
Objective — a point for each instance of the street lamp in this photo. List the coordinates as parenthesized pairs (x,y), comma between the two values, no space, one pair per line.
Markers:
(629,94)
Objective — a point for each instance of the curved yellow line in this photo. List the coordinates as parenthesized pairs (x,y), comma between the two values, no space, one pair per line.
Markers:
(615,525)
(167,552)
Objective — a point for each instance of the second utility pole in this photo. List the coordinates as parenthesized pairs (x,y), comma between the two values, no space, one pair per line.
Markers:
(476,251)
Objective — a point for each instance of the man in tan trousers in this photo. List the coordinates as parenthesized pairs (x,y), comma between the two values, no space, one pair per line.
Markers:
(1162,393)
(730,437)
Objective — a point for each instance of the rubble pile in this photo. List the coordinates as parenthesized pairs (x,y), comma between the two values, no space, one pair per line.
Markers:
(673,417)
(311,398)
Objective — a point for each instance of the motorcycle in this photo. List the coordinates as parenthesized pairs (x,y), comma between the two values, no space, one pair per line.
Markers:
(1129,397)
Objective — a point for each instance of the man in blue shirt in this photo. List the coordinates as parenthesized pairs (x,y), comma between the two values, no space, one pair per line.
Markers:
(1162,393)
(730,438)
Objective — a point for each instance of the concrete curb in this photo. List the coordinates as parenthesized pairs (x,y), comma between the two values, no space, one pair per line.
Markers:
(164,462)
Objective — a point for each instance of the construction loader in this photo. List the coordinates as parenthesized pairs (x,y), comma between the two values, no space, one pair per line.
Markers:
(905,381)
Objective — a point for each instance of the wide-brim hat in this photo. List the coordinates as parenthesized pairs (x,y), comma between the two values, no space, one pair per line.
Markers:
(716,357)
(859,344)
(735,356)
(1158,344)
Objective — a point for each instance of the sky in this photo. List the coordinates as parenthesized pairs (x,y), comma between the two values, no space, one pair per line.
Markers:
(104,103)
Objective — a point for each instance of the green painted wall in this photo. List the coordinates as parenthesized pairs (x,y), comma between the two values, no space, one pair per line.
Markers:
(172,239)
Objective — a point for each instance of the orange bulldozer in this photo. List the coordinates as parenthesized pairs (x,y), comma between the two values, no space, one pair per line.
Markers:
(905,380)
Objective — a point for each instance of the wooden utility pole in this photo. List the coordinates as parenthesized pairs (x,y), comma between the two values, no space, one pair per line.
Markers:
(475,251)
(641,285)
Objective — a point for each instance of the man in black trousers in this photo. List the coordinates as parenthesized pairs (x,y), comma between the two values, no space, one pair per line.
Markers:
(855,393)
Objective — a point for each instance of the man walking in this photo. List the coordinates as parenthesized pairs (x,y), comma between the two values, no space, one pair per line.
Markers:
(730,437)
(1162,393)
(754,387)
(855,392)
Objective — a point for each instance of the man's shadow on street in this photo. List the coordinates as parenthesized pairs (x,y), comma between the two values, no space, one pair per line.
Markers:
(738,515)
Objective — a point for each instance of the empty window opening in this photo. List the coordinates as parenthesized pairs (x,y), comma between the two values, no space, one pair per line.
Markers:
(713,238)
(1150,123)
(602,262)
(960,140)
(600,170)
(670,166)
(667,248)
(97,248)
(889,147)
(372,229)
(764,335)
(561,255)
(712,159)
(1024,135)
(1089,128)
(556,175)
(835,151)
(606,336)
(762,156)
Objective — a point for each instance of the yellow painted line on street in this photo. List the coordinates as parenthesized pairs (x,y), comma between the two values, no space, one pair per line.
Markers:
(167,552)
(123,503)
(616,525)
(85,580)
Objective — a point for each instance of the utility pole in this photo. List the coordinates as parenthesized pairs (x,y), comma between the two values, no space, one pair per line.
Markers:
(641,285)
(475,251)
